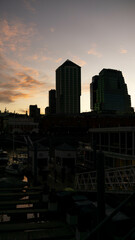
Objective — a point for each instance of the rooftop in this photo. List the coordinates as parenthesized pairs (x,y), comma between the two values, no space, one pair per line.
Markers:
(68,63)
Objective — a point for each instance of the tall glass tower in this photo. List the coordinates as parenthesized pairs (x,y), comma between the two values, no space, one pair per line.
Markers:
(68,88)
(109,92)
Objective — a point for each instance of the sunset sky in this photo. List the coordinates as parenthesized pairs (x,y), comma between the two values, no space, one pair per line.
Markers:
(37,36)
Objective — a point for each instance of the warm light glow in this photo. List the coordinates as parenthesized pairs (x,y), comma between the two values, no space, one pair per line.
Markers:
(35,39)
(25,179)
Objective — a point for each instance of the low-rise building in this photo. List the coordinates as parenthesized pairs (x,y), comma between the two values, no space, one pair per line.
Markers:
(19,124)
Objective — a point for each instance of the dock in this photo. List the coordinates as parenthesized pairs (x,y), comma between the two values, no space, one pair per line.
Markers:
(29,217)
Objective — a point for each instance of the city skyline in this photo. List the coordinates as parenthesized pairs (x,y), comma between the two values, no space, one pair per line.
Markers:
(38,36)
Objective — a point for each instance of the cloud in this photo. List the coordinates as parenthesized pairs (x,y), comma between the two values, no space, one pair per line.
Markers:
(78,61)
(15,35)
(29,6)
(18,81)
(123,51)
(27,81)
(44,58)
(9,83)
(31,71)
(35,57)
(38,57)
(58,60)
(10,96)
(93,51)
(17,95)
(5,96)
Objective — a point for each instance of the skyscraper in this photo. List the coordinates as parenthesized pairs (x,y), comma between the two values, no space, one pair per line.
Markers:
(52,101)
(109,92)
(68,88)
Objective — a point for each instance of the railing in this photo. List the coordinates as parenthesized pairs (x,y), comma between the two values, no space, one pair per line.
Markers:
(116,179)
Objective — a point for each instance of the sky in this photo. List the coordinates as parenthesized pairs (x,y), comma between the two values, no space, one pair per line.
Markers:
(37,36)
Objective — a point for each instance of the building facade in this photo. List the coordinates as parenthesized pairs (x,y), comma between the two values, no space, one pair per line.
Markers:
(109,92)
(68,88)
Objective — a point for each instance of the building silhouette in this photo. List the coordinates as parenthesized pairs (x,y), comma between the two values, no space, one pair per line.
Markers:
(93,90)
(52,101)
(34,112)
(68,88)
(109,92)
(47,110)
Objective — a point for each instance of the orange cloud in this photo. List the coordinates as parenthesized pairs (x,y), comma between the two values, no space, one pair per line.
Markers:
(123,51)
(30,71)
(44,58)
(35,57)
(22,81)
(29,6)
(58,60)
(27,81)
(38,57)
(15,35)
(52,30)
(78,61)
(10,96)
(19,95)
(1,43)
(93,51)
